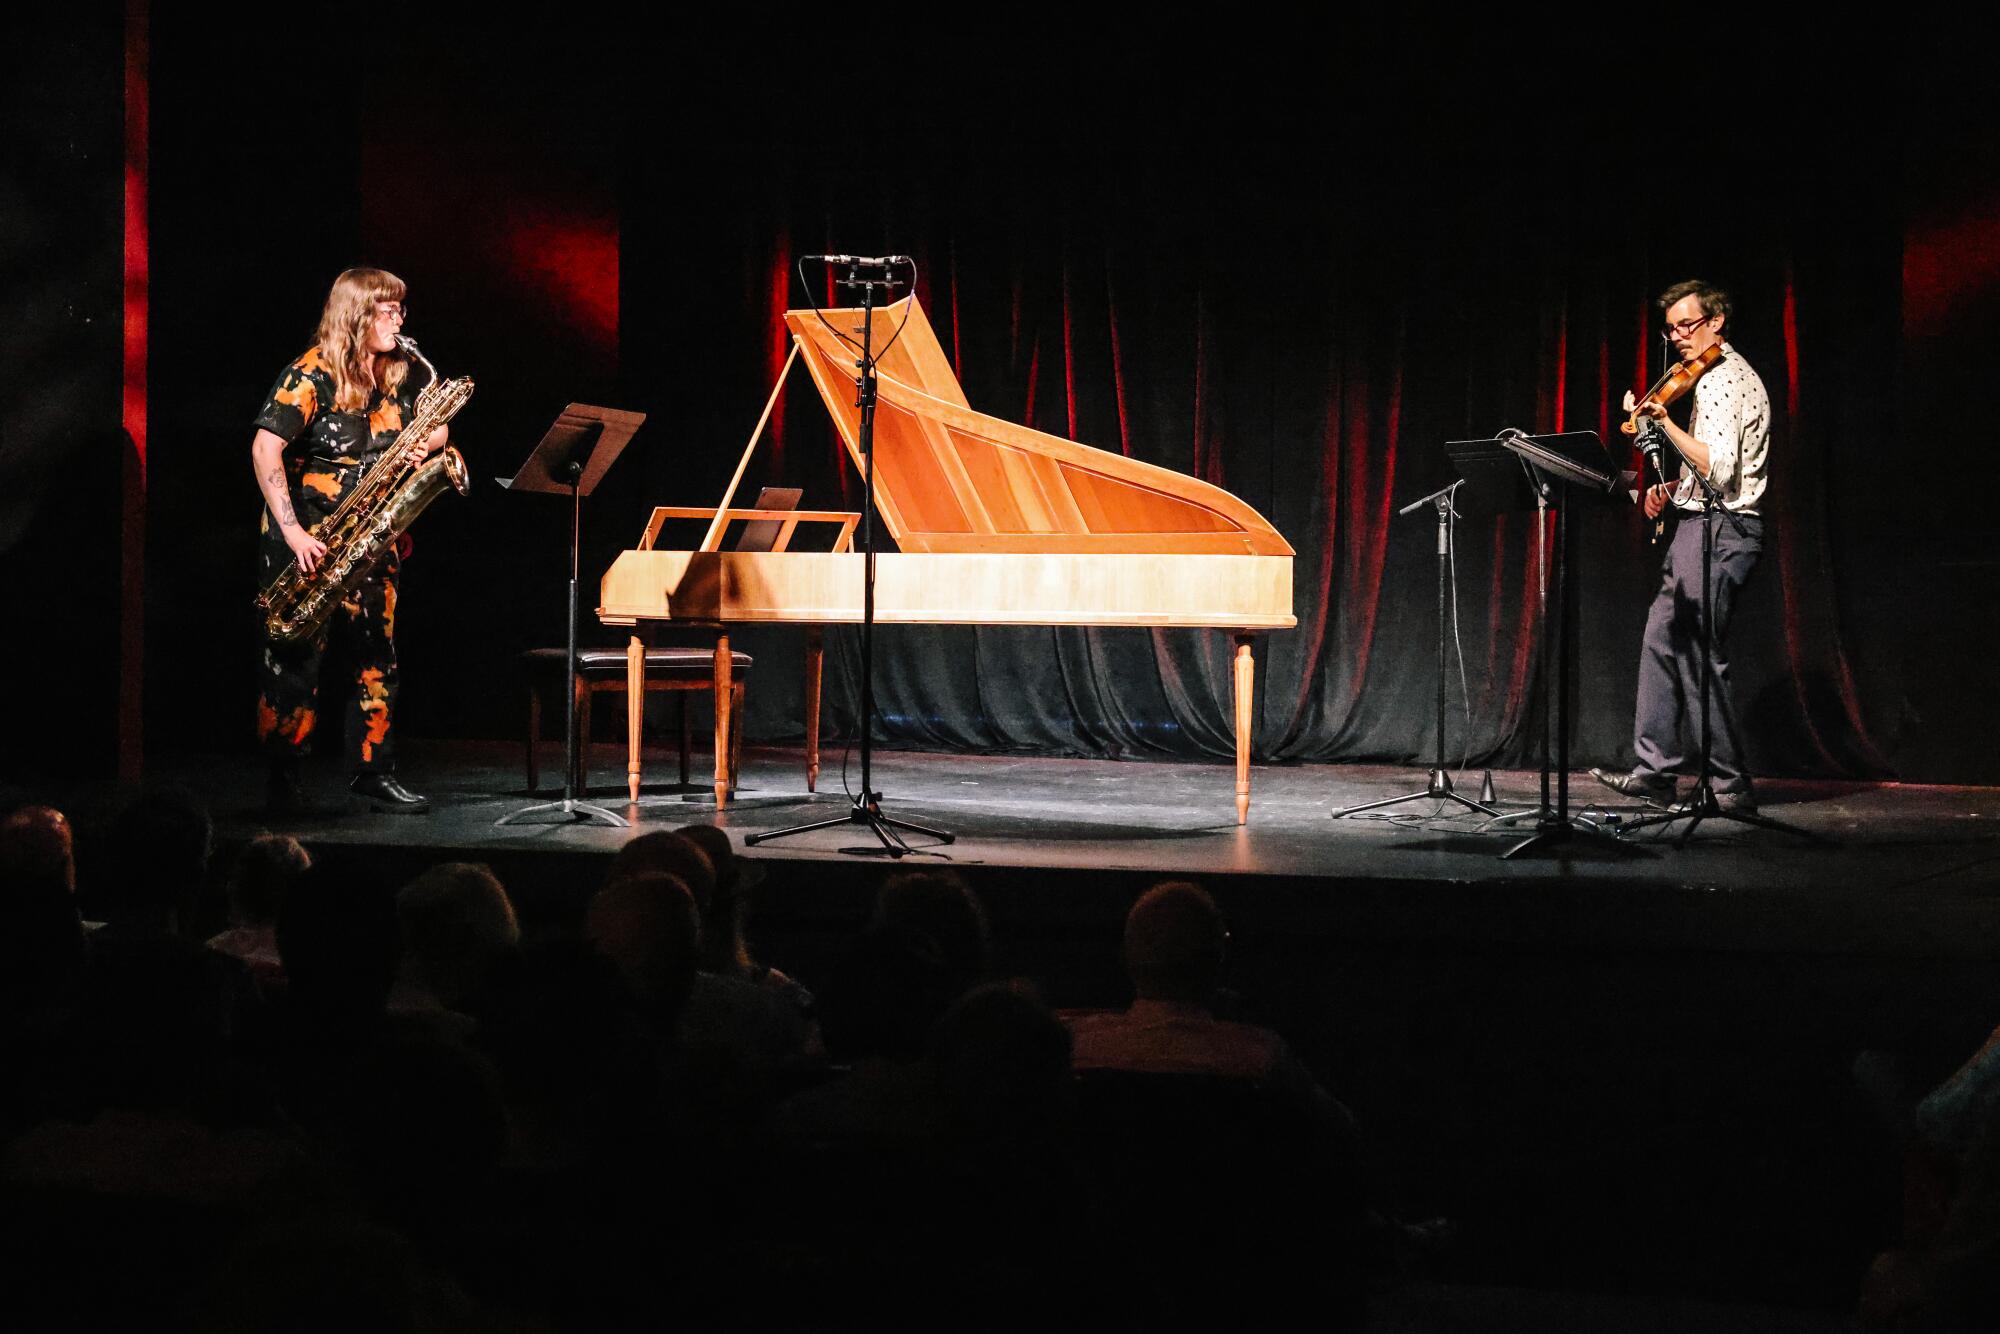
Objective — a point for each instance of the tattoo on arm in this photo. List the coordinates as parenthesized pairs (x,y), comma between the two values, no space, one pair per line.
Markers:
(282,511)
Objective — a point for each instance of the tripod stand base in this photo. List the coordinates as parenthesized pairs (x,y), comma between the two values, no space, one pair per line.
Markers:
(1702,804)
(573,812)
(867,814)
(1541,816)
(1440,789)
(1557,837)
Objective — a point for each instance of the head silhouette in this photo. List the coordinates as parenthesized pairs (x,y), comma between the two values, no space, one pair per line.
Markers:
(1174,944)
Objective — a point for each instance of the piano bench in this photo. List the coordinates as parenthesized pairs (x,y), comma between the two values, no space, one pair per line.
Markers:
(601,670)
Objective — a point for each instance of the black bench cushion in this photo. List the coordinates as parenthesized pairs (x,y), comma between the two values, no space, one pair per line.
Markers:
(661,663)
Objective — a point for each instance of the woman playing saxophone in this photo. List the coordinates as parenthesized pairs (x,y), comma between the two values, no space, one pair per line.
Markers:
(329,417)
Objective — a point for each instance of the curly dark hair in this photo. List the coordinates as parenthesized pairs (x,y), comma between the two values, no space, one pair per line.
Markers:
(1714,301)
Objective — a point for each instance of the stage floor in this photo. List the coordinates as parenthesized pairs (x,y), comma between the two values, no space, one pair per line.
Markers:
(1100,822)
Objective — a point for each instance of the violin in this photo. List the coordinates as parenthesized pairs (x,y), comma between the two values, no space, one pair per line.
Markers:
(1673,385)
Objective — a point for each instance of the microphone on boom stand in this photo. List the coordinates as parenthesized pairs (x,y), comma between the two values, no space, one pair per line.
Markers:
(864,261)
(866,808)
(1650,445)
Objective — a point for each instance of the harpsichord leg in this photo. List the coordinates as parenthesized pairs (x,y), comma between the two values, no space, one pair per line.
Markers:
(1246,677)
(725,698)
(815,671)
(635,708)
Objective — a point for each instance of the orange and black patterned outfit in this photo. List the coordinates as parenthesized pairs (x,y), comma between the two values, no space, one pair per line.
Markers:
(327,453)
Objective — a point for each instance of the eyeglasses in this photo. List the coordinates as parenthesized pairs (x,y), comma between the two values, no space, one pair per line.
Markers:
(1682,328)
(391,309)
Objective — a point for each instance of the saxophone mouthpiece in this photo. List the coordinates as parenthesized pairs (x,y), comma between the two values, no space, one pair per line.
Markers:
(409,346)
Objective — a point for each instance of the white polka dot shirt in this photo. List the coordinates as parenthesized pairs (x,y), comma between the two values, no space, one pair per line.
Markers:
(1732,416)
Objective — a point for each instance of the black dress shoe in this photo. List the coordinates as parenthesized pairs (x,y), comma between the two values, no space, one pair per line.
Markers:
(383,793)
(1645,787)
(1742,801)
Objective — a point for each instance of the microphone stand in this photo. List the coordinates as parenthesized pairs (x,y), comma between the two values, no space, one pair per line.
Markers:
(867,806)
(1439,786)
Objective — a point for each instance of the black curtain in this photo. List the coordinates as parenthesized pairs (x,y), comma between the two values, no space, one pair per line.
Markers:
(1296,279)
(1237,295)
(63,448)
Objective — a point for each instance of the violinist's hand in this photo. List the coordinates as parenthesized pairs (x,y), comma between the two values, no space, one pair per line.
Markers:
(1656,499)
(1631,402)
(1649,408)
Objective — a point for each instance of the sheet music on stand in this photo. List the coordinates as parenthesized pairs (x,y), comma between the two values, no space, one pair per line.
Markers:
(1505,473)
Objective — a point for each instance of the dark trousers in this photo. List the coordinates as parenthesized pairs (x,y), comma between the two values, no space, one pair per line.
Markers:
(1666,731)
(288,702)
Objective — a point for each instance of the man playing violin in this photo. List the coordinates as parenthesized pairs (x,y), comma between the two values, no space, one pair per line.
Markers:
(1726,440)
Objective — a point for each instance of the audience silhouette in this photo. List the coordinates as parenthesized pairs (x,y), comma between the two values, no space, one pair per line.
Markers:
(266,868)
(448,1120)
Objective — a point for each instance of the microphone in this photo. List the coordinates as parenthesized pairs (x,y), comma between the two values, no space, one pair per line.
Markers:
(1652,444)
(864,261)
(1649,443)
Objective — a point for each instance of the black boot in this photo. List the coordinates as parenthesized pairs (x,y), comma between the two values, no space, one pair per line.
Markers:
(284,791)
(383,793)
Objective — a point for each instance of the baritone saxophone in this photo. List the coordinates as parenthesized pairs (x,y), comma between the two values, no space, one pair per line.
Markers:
(369,519)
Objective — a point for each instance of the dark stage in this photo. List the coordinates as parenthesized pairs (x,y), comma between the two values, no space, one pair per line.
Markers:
(1069,827)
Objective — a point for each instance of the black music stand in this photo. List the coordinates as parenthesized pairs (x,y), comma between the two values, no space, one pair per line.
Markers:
(571,459)
(1512,472)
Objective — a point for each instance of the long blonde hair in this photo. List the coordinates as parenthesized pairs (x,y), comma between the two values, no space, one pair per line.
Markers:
(343,338)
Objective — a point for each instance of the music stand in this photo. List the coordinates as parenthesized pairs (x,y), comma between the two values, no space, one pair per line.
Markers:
(572,458)
(1512,472)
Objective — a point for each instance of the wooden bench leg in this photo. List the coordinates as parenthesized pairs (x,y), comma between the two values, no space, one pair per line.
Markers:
(736,736)
(815,670)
